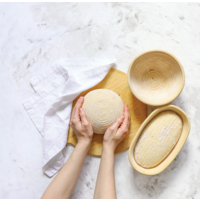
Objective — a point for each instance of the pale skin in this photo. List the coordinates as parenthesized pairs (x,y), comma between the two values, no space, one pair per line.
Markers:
(63,184)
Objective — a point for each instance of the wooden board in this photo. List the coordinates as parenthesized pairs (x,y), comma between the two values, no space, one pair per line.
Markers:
(117,82)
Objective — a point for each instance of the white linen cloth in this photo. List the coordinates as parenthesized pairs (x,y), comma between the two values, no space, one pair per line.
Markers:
(50,107)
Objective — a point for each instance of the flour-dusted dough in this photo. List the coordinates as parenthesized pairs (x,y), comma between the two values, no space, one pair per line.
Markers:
(102,108)
(158,139)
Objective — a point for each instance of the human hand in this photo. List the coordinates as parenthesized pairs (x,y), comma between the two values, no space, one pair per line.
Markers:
(118,131)
(81,126)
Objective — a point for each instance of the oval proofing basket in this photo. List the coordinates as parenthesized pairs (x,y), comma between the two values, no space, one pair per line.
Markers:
(166,162)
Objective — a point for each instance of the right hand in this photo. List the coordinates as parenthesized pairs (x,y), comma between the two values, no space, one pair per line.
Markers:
(79,123)
(118,131)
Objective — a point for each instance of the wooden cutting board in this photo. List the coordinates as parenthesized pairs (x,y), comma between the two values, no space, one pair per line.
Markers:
(117,82)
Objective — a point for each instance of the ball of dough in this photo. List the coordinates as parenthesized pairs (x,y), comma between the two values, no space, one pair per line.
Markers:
(102,108)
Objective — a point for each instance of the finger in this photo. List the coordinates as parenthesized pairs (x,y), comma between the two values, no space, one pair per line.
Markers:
(123,131)
(126,117)
(76,110)
(118,122)
(128,111)
(83,117)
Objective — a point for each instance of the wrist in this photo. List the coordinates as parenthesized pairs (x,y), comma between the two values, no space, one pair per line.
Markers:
(108,148)
(85,143)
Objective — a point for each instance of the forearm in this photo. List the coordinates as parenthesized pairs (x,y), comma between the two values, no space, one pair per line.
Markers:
(105,186)
(63,184)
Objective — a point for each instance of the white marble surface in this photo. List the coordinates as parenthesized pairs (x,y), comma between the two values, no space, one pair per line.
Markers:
(34,35)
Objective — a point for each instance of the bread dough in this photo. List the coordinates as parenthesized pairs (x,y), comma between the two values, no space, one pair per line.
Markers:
(158,139)
(102,108)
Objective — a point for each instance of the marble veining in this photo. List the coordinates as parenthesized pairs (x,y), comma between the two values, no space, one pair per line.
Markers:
(35,35)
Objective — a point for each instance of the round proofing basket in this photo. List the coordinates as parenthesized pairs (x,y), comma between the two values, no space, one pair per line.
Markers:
(156,77)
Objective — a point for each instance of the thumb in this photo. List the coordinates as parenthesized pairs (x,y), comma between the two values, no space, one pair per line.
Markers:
(118,122)
(83,116)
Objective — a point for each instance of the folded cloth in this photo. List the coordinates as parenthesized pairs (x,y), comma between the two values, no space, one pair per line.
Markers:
(50,107)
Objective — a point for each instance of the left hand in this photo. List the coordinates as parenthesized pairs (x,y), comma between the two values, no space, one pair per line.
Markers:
(81,126)
(118,131)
